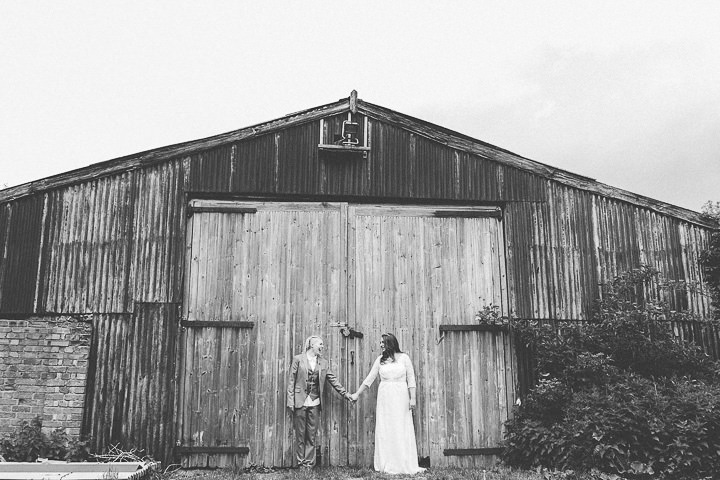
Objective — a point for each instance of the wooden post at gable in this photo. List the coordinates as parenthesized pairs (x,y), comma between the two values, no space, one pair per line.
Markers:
(353,102)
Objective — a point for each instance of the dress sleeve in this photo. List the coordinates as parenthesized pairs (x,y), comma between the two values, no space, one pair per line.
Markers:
(409,372)
(373,373)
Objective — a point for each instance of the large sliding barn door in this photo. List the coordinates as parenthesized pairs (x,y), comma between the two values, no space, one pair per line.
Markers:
(260,278)
(411,271)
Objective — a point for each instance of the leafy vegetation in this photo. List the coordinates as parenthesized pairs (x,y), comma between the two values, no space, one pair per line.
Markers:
(28,443)
(710,258)
(619,396)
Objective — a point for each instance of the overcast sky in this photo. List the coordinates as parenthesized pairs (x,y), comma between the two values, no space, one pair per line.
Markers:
(625,92)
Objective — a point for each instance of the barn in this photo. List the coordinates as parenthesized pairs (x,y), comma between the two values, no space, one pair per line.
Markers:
(155,301)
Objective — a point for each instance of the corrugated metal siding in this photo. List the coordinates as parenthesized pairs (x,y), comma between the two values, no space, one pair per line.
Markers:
(107,380)
(400,165)
(131,389)
(88,246)
(562,251)
(693,241)
(211,170)
(149,409)
(20,238)
(568,237)
(297,159)
(254,165)
(628,236)
(159,234)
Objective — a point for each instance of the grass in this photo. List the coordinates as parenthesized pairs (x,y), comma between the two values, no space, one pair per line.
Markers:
(349,473)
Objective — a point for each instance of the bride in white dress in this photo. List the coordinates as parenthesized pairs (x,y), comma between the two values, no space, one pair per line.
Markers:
(395,447)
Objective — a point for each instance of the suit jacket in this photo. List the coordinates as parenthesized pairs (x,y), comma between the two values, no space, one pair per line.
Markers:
(296,393)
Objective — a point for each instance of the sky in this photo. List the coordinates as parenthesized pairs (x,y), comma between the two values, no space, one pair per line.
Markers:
(625,92)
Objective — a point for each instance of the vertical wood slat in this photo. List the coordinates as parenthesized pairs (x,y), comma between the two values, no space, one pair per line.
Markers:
(281,281)
(453,268)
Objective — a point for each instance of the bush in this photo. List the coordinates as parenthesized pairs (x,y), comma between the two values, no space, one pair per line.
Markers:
(29,442)
(631,426)
(619,394)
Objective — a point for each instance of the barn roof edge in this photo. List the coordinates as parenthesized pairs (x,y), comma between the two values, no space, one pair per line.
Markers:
(450,138)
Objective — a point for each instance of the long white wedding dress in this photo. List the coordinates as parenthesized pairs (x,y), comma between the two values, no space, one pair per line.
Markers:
(395,447)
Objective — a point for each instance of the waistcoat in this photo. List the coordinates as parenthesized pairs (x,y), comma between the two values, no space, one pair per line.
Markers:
(312,383)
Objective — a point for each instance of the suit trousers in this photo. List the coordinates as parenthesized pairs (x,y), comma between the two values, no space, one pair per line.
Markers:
(305,423)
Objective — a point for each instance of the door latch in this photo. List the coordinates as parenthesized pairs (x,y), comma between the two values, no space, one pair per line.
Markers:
(348,332)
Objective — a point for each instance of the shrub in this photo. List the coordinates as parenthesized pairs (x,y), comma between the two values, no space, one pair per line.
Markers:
(29,442)
(619,394)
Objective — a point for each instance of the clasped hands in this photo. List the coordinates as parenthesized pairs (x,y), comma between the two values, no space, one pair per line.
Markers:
(353,397)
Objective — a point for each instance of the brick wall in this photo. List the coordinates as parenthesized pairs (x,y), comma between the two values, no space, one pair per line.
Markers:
(43,368)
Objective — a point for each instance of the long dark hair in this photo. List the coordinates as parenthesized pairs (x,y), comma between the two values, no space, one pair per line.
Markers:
(391,347)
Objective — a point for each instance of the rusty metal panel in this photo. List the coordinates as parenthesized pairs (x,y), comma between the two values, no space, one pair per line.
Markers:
(627,236)
(211,170)
(107,380)
(391,170)
(298,170)
(693,241)
(400,164)
(159,227)
(20,239)
(560,252)
(87,247)
(571,260)
(149,406)
(254,165)
(551,256)
(520,220)
(131,388)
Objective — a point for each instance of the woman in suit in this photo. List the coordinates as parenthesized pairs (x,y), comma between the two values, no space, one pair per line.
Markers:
(308,374)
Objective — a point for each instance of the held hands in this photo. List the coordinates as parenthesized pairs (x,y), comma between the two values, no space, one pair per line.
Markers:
(351,398)
(354,397)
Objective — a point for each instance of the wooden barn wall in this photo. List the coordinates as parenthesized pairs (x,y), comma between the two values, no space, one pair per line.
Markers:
(263,268)
(114,248)
(131,388)
(20,237)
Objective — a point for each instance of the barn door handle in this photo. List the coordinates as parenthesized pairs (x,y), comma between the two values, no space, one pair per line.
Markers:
(352,357)
(349,332)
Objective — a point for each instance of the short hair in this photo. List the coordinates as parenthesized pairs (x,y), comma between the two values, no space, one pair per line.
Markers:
(309,341)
